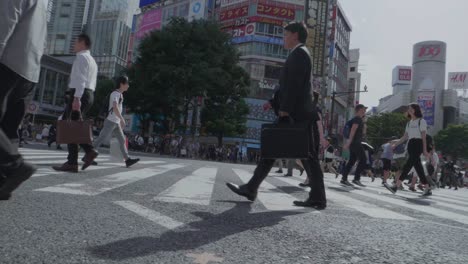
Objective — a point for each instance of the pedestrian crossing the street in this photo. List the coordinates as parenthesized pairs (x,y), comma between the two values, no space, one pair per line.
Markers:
(202,184)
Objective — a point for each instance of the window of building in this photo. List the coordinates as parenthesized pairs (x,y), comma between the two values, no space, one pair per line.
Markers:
(272,72)
(353,69)
(49,88)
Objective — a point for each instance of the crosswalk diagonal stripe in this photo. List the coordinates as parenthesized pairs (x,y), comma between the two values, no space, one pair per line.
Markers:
(425,209)
(151,215)
(449,203)
(275,200)
(99,185)
(363,207)
(55,161)
(193,189)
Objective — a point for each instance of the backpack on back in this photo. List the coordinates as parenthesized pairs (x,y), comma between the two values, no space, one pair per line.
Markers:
(347,129)
(104,110)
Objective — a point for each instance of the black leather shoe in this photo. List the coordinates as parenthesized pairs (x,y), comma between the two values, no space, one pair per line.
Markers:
(129,162)
(242,191)
(288,175)
(304,185)
(307,203)
(14,179)
(92,163)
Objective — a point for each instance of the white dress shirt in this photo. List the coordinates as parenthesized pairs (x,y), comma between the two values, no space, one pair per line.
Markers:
(84,73)
(23,31)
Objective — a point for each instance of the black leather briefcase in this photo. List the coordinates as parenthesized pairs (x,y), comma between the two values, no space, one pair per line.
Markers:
(285,141)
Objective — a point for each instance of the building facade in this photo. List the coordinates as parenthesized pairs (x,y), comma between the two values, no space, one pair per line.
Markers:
(68,19)
(111,36)
(338,67)
(424,83)
(257,31)
(354,81)
(48,100)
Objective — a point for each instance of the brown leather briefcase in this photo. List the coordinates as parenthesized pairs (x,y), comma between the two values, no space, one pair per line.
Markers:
(74,132)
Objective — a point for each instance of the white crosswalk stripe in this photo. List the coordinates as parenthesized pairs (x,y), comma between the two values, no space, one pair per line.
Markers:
(149,214)
(393,199)
(199,188)
(363,207)
(106,183)
(271,197)
(193,189)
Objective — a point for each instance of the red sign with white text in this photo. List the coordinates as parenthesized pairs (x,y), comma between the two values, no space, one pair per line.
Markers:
(246,20)
(234,13)
(404,74)
(283,12)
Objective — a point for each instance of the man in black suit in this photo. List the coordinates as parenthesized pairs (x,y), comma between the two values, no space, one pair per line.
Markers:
(295,101)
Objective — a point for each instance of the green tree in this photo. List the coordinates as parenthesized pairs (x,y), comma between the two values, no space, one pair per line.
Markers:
(382,127)
(453,141)
(103,88)
(177,64)
(225,112)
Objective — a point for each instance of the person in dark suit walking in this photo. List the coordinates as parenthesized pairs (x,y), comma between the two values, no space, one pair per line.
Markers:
(295,101)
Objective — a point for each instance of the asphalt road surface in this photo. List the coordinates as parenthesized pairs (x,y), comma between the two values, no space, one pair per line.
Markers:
(165,210)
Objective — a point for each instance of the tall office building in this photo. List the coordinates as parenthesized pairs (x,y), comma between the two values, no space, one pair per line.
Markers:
(337,71)
(67,19)
(110,35)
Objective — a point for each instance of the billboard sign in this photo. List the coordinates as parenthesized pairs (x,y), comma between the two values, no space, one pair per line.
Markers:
(316,21)
(242,31)
(430,51)
(246,20)
(275,11)
(197,9)
(150,21)
(255,38)
(230,2)
(458,80)
(234,13)
(402,75)
(426,101)
(147,2)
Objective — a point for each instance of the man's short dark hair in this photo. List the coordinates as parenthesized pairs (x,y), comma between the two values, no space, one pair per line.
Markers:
(298,27)
(121,80)
(86,39)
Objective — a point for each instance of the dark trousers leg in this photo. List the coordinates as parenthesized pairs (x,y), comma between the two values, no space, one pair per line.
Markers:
(13,91)
(349,165)
(86,103)
(314,170)
(415,149)
(361,156)
(260,173)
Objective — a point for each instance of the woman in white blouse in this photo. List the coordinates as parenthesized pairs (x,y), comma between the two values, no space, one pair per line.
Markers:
(415,133)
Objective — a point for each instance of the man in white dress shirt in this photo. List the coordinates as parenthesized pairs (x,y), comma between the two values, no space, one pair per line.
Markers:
(80,98)
(23,31)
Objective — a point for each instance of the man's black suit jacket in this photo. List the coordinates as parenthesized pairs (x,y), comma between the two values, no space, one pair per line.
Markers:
(295,86)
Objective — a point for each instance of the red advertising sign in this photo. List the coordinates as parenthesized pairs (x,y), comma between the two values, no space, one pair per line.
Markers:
(246,20)
(404,74)
(234,13)
(429,51)
(242,31)
(283,12)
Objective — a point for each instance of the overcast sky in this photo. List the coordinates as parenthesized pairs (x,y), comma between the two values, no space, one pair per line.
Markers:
(386,30)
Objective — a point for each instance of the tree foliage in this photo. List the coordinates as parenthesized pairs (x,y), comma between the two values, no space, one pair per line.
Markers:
(183,61)
(382,127)
(453,141)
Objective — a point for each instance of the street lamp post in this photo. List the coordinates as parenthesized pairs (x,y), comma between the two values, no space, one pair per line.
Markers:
(332,112)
